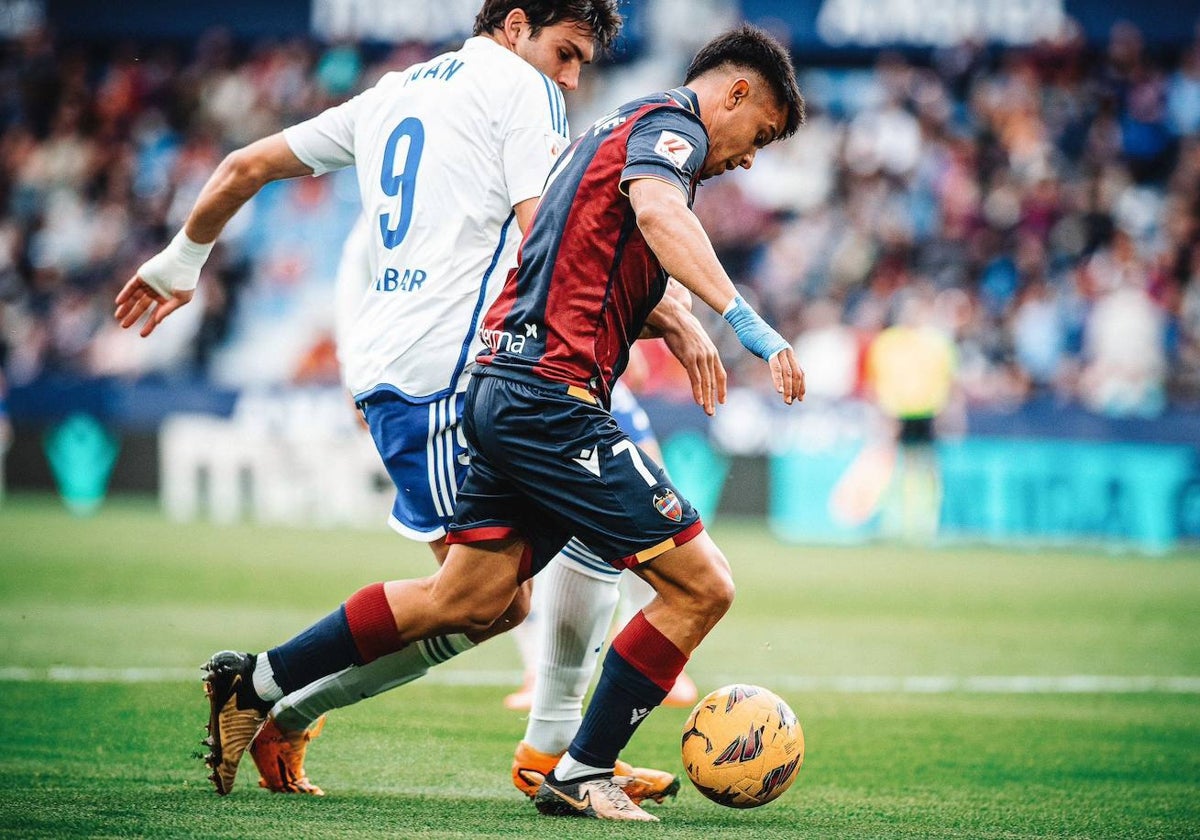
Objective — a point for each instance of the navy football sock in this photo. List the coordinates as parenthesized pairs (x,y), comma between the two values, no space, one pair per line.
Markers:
(623,699)
(324,648)
(639,670)
(356,633)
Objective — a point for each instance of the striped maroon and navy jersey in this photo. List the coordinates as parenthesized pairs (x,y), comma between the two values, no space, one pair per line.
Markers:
(585,280)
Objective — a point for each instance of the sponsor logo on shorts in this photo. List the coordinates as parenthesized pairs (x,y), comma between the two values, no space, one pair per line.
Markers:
(667,503)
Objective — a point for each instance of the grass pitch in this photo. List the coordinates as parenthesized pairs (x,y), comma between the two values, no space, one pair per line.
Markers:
(109,752)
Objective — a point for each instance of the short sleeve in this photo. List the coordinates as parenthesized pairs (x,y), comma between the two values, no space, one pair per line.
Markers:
(326,142)
(535,134)
(669,144)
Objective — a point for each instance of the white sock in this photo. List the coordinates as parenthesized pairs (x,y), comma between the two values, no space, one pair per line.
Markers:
(635,595)
(526,634)
(568,769)
(300,708)
(576,611)
(264,679)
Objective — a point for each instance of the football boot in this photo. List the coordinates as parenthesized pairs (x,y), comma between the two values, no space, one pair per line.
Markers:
(531,767)
(235,714)
(597,797)
(279,756)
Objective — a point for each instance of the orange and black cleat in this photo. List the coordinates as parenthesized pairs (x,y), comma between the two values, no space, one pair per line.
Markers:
(279,755)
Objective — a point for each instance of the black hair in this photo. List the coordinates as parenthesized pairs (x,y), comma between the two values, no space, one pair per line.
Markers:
(600,16)
(752,48)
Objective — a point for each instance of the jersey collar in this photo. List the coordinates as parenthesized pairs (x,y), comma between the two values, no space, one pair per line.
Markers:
(685,98)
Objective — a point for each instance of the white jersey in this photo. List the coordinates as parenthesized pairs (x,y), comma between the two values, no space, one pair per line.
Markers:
(444,151)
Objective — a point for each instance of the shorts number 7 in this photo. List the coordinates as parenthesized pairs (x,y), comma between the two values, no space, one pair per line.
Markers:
(638,464)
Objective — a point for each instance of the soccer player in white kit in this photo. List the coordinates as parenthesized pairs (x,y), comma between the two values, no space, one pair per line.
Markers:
(451,157)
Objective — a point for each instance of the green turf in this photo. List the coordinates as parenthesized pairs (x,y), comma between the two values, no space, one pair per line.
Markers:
(126,588)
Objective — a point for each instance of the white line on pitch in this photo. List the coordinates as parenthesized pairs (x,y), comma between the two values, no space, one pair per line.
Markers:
(1018,684)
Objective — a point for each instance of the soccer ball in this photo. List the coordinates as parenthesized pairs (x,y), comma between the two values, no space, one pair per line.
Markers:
(742,746)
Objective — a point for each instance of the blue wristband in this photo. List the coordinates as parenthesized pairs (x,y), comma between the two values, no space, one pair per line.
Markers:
(754,333)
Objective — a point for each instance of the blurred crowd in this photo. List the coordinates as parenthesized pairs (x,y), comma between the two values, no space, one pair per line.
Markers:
(1040,206)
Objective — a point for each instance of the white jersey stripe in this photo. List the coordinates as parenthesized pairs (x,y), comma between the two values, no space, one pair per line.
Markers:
(554,121)
(486,296)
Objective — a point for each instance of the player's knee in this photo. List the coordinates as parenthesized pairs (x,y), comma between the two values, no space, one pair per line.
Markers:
(475,617)
(713,588)
(721,591)
(473,612)
(518,610)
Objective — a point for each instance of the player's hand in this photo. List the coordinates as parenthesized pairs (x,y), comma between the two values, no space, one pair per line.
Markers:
(139,298)
(690,344)
(787,376)
(162,284)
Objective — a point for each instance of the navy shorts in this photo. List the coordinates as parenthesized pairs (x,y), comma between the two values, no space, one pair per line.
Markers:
(548,463)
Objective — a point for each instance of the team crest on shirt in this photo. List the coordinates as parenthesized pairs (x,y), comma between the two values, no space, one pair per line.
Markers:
(674,148)
(667,503)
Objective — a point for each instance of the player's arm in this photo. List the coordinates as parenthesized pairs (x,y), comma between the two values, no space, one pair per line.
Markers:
(168,280)
(675,292)
(524,212)
(673,321)
(675,298)
(676,237)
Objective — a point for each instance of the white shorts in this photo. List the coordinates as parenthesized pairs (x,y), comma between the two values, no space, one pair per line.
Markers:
(423,451)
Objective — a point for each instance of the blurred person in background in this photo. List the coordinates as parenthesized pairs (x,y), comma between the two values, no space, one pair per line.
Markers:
(1116,379)
(909,372)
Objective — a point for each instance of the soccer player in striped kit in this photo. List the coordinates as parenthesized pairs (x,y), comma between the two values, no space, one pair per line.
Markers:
(450,153)
(547,460)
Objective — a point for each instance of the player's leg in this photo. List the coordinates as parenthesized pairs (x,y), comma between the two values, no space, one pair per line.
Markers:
(280,747)
(527,637)
(694,589)
(379,620)
(578,623)
(920,487)
(575,615)
(468,594)
(620,504)
(573,607)
(421,450)
(635,516)
(635,594)
(578,592)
